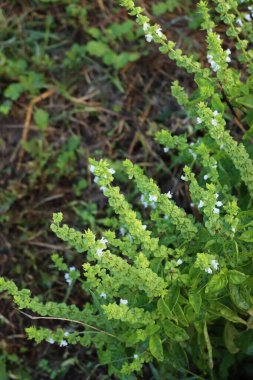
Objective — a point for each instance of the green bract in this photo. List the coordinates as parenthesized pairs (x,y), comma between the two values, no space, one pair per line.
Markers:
(172,287)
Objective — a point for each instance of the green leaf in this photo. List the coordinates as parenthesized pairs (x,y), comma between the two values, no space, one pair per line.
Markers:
(246,101)
(230,334)
(236,277)
(217,283)
(180,316)
(13,91)
(97,48)
(247,236)
(240,297)
(175,332)
(41,119)
(163,308)
(156,347)
(195,300)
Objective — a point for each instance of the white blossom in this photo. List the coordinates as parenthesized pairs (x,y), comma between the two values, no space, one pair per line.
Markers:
(233,229)
(63,343)
(239,22)
(123,302)
(112,171)
(102,188)
(96,179)
(201,204)
(103,240)
(182,177)
(199,120)
(145,26)
(144,226)
(219,204)
(216,195)
(92,168)
(72,269)
(99,252)
(122,231)
(66,333)
(216,210)
(192,204)
(247,17)
(153,198)
(215,264)
(136,356)
(169,194)
(166,150)
(165,217)
(51,341)
(159,32)
(215,113)
(214,122)
(149,37)
(206,177)
(208,270)
(103,295)
(68,279)
(179,261)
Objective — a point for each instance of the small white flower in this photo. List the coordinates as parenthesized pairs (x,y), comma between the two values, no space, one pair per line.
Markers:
(228,51)
(228,59)
(199,120)
(123,302)
(96,179)
(144,226)
(219,204)
(239,22)
(222,146)
(201,204)
(92,168)
(247,17)
(166,150)
(72,269)
(182,177)
(102,188)
(153,198)
(149,37)
(103,295)
(192,204)
(159,32)
(169,194)
(68,279)
(215,113)
(136,356)
(122,231)
(112,171)
(63,343)
(216,195)
(233,229)
(216,210)
(99,252)
(206,177)
(51,341)
(214,122)
(66,333)
(145,26)
(179,261)
(104,240)
(215,166)
(215,264)
(208,270)
(209,57)
(165,217)
(194,155)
